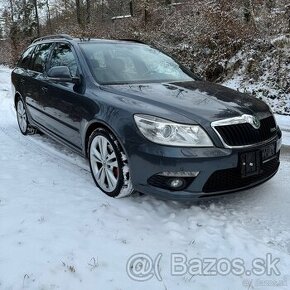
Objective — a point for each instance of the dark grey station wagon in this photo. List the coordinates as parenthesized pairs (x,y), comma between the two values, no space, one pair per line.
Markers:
(143,120)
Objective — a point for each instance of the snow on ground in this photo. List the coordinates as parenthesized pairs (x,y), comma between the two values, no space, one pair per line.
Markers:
(57,231)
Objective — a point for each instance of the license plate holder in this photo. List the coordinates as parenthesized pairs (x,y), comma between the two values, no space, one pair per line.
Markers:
(250,163)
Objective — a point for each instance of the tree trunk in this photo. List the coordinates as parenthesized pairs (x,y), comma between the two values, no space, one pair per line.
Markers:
(26,25)
(88,11)
(36,17)
(146,6)
(11,10)
(48,15)
(78,10)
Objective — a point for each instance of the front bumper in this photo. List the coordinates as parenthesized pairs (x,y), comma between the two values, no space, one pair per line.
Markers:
(219,169)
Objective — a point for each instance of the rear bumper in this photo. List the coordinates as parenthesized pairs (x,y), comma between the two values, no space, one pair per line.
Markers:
(219,169)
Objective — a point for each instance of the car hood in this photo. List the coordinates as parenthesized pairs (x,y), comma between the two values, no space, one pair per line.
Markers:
(199,101)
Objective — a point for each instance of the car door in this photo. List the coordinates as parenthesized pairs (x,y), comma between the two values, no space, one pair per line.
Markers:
(63,101)
(34,86)
(20,75)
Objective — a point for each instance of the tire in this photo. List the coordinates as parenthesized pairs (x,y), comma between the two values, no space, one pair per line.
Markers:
(109,164)
(22,119)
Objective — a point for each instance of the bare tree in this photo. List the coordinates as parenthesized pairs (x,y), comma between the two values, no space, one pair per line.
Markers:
(78,11)
(36,17)
(88,2)
(11,4)
(48,13)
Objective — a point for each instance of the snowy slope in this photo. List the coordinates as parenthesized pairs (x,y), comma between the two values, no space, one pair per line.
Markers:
(57,231)
(262,69)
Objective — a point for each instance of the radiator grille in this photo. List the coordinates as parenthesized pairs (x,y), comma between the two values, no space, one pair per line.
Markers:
(246,134)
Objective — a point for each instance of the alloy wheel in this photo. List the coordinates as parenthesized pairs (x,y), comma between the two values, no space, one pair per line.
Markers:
(104,163)
(22,117)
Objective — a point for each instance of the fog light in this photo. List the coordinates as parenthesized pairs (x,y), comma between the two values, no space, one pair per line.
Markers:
(180,174)
(176,182)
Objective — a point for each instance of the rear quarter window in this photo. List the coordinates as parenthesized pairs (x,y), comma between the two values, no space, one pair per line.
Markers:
(24,60)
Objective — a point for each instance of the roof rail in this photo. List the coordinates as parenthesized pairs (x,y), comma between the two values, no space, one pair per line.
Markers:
(84,39)
(133,40)
(65,36)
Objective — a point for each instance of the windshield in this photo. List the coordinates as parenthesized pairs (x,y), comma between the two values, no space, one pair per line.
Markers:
(125,63)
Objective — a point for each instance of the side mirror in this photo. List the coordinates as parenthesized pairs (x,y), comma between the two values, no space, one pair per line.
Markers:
(62,74)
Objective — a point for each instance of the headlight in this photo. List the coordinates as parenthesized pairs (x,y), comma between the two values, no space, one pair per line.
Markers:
(165,132)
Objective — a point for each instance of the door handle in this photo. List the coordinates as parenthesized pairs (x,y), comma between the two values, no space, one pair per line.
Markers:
(44,90)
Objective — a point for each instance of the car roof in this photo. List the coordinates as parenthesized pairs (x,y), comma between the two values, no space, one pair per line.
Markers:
(62,37)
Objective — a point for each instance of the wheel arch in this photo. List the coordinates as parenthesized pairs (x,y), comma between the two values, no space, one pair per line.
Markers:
(100,124)
(16,97)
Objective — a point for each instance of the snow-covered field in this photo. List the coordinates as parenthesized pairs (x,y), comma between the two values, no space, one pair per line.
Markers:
(57,231)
